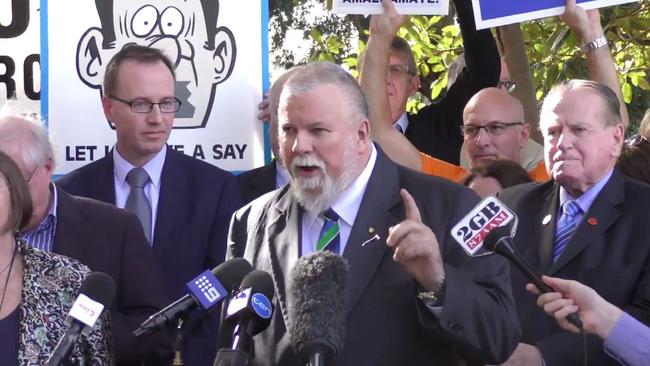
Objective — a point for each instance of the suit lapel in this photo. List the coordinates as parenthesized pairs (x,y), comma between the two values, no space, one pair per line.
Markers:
(102,185)
(601,216)
(170,200)
(69,223)
(284,233)
(374,217)
(546,225)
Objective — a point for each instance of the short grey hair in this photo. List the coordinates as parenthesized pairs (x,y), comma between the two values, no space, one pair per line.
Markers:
(612,106)
(19,125)
(315,74)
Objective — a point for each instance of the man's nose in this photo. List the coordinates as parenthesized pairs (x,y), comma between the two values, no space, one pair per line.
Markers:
(482,137)
(302,143)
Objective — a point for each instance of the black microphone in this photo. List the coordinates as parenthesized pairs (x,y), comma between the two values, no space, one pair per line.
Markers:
(499,240)
(317,297)
(207,289)
(250,309)
(97,291)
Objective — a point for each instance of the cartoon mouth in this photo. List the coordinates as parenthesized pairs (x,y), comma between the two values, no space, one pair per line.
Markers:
(182,92)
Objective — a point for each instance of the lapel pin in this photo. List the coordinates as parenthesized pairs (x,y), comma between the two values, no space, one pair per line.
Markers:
(371,230)
(546,219)
(592,221)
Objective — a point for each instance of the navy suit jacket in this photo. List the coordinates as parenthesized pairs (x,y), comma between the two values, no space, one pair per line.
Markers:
(609,252)
(386,323)
(110,240)
(195,205)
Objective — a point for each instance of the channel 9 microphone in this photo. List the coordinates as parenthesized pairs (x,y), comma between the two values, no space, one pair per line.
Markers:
(489,228)
(250,311)
(97,291)
(317,307)
(207,289)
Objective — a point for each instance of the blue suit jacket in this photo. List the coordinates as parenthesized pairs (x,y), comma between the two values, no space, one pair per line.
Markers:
(194,209)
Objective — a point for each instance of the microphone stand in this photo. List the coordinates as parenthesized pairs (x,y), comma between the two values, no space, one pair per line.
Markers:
(178,343)
(239,354)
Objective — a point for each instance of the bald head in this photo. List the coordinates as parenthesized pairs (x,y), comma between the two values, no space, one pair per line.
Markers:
(495,107)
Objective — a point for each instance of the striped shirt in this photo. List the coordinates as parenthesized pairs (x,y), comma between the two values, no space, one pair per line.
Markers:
(42,237)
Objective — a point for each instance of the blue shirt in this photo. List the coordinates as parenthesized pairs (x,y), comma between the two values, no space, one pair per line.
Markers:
(42,237)
(629,342)
(586,199)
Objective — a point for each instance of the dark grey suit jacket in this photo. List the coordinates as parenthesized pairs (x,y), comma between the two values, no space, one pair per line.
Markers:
(110,240)
(257,182)
(609,252)
(386,323)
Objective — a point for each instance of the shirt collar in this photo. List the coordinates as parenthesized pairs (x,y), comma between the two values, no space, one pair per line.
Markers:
(586,199)
(282,176)
(55,200)
(153,166)
(403,122)
(348,202)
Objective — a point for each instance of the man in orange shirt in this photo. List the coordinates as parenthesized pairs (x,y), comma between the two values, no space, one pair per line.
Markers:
(493,120)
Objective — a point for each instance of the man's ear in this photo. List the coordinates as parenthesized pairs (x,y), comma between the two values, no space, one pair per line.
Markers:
(225,54)
(414,85)
(91,58)
(525,135)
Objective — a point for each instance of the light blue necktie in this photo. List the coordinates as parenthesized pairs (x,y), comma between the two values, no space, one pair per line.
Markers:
(565,227)
(330,237)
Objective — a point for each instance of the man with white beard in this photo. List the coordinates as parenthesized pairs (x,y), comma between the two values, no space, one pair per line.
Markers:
(399,252)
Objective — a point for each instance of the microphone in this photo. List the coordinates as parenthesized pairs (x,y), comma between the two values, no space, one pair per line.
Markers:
(471,230)
(499,241)
(97,290)
(207,289)
(317,298)
(250,309)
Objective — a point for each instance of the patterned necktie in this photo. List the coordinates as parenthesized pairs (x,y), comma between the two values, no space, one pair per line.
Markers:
(565,227)
(329,238)
(137,202)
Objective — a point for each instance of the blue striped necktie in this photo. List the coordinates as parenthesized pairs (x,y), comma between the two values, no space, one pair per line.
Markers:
(330,237)
(565,227)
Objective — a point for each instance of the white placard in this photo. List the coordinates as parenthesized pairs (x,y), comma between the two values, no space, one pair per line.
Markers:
(412,7)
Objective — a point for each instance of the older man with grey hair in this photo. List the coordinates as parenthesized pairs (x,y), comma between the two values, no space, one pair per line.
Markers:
(339,178)
(587,224)
(103,237)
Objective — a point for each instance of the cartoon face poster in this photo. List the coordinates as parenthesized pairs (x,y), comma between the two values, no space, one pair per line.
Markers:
(217,48)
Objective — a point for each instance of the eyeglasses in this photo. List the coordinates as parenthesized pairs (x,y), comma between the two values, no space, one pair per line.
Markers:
(508,85)
(499,128)
(636,141)
(144,106)
(32,174)
(399,70)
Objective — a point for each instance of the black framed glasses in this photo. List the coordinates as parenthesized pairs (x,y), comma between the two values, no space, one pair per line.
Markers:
(498,128)
(508,85)
(145,106)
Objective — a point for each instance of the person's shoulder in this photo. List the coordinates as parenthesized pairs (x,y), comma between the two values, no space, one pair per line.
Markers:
(525,191)
(85,172)
(258,208)
(95,208)
(59,268)
(252,174)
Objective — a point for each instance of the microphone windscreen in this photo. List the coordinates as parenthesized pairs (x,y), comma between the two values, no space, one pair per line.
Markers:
(317,300)
(494,236)
(260,282)
(99,287)
(231,272)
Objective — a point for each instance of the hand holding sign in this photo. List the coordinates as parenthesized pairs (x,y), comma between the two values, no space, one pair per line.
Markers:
(584,23)
(388,23)
(416,247)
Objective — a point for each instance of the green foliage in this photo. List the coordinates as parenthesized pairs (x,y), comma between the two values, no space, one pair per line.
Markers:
(553,51)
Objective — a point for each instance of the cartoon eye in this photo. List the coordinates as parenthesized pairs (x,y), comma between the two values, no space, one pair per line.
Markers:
(171,21)
(144,21)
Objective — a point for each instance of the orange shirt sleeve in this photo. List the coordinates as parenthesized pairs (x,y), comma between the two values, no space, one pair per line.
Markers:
(539,173)
(440,168)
